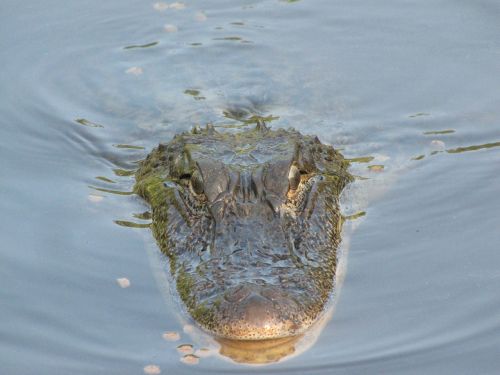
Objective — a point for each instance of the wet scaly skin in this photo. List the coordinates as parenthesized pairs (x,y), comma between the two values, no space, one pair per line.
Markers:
(251,224)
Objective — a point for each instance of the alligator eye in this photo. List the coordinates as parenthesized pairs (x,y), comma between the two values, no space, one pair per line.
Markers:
(294,177)
(196,183)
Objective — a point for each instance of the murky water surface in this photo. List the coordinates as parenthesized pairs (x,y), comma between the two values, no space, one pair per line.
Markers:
(408,89)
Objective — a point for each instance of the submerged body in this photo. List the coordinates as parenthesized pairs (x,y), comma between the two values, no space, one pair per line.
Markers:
(251,224)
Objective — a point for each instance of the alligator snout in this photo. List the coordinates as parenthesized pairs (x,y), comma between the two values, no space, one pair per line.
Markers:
(253,312)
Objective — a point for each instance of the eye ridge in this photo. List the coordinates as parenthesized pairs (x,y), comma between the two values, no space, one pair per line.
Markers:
(297,197)
(196,184)
(293,177)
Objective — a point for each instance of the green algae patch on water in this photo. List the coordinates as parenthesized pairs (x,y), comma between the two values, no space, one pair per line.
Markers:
(437,132)
(147,45)
(111,191)
(126,146)
(90,124)
(231,38)
(361,159)
(146,215)
(124,172)
(473,148)
(355,216)
(194,93)
(131,224)
(419,114)
(376,167)
(105,179)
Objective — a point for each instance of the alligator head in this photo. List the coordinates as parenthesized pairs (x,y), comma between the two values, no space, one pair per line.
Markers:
(250,221)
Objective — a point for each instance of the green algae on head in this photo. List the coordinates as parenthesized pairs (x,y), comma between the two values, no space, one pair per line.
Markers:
(250,221)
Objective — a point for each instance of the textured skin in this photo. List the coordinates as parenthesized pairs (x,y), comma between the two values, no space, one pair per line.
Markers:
(252,258)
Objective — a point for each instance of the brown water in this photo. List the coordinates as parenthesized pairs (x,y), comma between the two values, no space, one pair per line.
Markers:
(87,88)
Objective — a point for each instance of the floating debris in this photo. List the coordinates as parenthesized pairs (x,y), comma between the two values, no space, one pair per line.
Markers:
(185,349)
(376,167)
(437,145)
(190,359)
(160,6)
(419,157)
(94,198)
(171,336)
(177,6)
(170,28)
(135,70)
(123,282)
(152,370)
(200,16)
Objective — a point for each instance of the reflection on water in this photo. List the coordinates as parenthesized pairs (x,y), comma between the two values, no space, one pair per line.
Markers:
(88,88)
(258,352)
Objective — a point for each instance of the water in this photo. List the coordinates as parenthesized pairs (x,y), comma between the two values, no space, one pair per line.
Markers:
(421,289)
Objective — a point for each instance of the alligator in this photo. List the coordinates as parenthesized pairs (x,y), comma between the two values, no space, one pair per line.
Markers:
(250,221)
